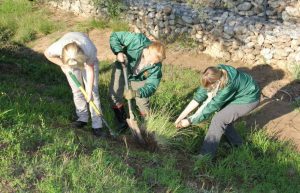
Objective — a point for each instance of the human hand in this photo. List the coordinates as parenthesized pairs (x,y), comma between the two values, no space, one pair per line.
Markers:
(183,123)
(130,94)
(120,57)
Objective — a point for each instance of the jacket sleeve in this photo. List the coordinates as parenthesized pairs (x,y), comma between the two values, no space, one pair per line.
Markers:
(151,84)
(118,40)
(225,95)
(200,95)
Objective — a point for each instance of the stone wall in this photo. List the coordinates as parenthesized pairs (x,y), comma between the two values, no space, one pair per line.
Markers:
(250,31)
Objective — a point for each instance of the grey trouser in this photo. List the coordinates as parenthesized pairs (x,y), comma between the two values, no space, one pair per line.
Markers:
(79,100)
(222,123)
(116,90)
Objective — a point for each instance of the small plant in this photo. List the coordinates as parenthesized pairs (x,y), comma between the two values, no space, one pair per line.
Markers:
(114,7)
(184,41)
(296,71)
(159,122)
(113,24)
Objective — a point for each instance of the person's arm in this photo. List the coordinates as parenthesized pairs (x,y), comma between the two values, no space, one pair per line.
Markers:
(56,59)
(151,85)
(90,80)
(189,108)
(53,53)
(118,40)
(215,104)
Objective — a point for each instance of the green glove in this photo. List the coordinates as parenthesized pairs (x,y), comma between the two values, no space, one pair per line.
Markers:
(130,94)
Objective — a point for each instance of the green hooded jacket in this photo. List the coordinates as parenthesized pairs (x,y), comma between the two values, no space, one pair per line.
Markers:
(240,89)
(132,45)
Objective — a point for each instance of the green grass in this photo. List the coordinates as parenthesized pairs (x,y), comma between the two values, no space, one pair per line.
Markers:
(41,153)
(295,71)
(23,21)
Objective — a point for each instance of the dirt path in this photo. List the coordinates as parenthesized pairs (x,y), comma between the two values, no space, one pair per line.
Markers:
(277,114)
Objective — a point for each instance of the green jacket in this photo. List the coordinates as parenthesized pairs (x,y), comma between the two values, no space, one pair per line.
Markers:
(132,45)
(240,89)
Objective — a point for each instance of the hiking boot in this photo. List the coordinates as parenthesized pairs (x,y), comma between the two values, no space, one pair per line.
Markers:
(99,132)
(121,116)
(78,124)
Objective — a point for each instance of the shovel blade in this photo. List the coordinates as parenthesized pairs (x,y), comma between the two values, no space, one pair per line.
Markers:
(137,132)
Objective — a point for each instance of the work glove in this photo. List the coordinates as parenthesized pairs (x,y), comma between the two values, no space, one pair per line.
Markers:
(183,123)
(130,94)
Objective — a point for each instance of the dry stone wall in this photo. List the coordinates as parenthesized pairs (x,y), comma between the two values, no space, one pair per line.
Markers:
(254,31)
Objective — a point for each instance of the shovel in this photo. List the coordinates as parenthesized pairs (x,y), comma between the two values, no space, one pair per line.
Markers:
(132,123)
(98,111)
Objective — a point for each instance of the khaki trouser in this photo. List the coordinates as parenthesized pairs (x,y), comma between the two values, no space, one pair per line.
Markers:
(79,100)
(116,90)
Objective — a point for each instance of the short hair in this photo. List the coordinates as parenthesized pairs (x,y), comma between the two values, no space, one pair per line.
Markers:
(159,50)
(73,55)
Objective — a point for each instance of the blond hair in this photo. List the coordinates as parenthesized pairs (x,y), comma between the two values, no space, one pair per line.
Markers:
(159,50)
(212,75)
(73,55)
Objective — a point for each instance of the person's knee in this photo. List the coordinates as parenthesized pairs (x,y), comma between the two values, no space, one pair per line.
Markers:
(218,120)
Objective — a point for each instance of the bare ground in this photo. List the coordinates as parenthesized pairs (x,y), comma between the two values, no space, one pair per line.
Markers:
(277,114)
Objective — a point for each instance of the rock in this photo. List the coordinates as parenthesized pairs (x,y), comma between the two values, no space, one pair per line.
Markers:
(260,39)
(131,17)
(166,23)
(288,50)
(293,11)
(297,57)
(244,6)
(177,30)
(283,38)
(228,30)
(215,49)
(201,47)
(141,13)
(250,57)
(194,31)
(167,10)
(240,29)
(172,22)
(149,22)
(250,45)
(187,19)
(184,30)
(139,23)
(291,57)
(270,39)
(161,24)
(158,16)
(151,15)
(167,30)
(266,53)
(172,16)
(295,44)
(199,36)
(196,20)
